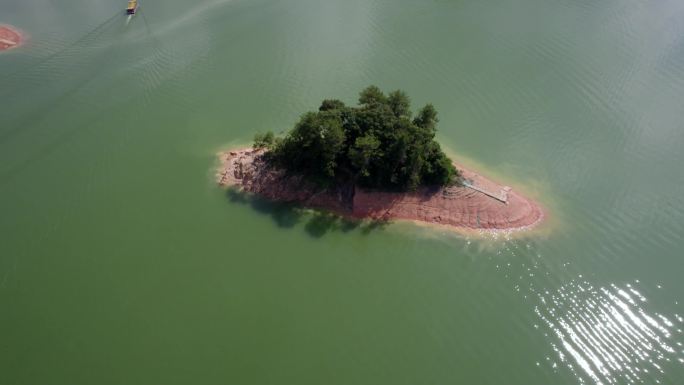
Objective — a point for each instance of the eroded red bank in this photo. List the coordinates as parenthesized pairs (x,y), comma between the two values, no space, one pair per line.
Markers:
(10,37)
(478,203)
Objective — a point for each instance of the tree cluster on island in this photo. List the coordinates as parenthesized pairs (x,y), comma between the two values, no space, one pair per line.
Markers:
(378,144)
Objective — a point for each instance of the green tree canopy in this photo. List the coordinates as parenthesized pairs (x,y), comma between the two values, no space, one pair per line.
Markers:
(375,145)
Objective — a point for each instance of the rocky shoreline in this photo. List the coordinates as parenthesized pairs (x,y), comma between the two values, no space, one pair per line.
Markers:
(476,203)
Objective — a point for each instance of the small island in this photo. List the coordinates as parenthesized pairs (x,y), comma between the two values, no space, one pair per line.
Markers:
(10,37)
(374,161)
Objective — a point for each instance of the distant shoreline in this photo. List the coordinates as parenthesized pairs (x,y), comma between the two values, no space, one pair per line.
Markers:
(10,37)
(476,204)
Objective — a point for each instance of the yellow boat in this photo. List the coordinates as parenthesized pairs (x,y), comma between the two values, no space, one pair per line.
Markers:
(132,7)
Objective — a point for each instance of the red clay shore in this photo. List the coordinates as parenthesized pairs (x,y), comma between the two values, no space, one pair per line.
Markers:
(476,203)
(10,37)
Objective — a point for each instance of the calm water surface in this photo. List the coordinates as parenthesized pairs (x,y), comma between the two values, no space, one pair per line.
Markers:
(122,263)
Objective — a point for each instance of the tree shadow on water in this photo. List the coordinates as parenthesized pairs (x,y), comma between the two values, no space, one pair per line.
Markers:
(376,224)
(288,215)
(324,222)
(321,223)
(283,214)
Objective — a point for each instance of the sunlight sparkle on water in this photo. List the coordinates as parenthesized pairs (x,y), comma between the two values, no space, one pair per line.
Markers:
(606,333)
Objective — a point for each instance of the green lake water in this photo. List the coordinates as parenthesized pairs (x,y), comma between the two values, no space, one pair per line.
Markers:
(121,262)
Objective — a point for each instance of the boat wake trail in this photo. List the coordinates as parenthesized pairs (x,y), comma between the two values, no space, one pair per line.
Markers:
(89,36)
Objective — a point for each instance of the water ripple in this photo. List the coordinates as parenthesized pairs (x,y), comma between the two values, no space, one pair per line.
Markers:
(605,334)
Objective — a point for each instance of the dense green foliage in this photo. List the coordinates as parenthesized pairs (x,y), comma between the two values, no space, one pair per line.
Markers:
(264,140)
(376,144)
